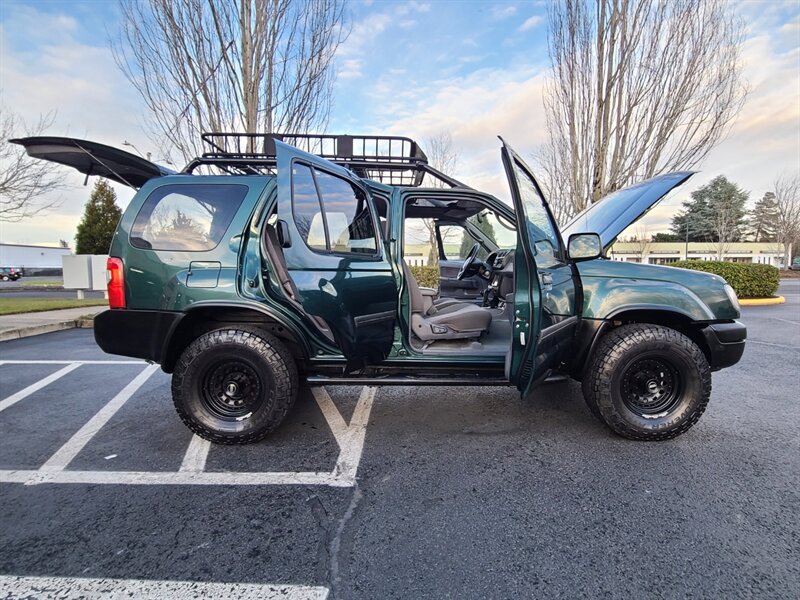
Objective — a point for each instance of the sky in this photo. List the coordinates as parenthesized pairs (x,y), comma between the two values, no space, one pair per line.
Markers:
(474,69)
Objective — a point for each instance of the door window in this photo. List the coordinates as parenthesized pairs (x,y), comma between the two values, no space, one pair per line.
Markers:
(331,214)
(542,233)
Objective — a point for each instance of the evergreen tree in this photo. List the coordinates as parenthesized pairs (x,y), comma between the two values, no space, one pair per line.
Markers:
(483,224)
(667,237)
(100,218)
(715,213)
(764,219)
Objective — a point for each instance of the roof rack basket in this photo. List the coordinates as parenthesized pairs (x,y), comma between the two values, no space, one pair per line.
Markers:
(389,159)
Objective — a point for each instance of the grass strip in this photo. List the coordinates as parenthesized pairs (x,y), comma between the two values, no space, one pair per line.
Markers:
(15,306)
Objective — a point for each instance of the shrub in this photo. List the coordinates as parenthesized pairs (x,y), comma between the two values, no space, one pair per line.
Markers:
(426,276)
(750,280)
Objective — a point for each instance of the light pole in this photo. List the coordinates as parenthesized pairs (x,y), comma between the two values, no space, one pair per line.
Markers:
(127,143)
(686,249)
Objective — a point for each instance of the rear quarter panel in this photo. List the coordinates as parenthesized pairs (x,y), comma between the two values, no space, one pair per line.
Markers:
(157,279)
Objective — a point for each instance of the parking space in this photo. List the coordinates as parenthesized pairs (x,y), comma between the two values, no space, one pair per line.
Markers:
(91,440)
(395,492)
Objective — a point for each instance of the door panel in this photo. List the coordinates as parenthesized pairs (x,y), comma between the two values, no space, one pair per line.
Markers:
(334,256)
(545,284)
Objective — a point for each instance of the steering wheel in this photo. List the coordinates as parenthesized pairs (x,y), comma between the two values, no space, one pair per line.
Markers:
(468,261)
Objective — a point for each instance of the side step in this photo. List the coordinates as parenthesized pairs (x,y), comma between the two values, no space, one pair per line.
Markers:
(413,380)
(404,380)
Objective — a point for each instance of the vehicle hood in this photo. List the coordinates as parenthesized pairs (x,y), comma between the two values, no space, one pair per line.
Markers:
(91,158)
(612,214)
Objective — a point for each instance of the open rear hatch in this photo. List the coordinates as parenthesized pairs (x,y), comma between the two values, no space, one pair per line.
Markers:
(91,158)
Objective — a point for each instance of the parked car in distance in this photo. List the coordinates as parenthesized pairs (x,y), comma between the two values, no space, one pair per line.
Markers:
(262,266)
(795,266)
(10,274)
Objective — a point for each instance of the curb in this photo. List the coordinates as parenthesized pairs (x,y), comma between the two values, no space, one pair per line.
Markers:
(23,332)
(762,301)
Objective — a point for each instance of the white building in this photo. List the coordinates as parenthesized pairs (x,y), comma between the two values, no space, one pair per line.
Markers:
(664,253)
(33,260)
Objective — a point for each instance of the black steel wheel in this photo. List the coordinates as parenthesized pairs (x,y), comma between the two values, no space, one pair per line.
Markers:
(647,382)
(234,386)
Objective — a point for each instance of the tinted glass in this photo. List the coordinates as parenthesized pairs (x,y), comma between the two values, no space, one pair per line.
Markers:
(307,211)
(190,218)
(350,223)
(541,232)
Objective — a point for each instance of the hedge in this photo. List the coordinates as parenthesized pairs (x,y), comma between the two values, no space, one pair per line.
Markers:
(750,280)
(426,276)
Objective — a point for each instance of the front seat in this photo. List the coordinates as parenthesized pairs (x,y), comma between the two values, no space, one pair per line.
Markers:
(451,322)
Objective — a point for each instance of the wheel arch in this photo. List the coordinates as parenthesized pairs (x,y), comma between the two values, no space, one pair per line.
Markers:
(664,316)
(205,317)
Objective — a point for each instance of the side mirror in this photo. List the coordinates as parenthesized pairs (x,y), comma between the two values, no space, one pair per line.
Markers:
(584,246)
(282,229)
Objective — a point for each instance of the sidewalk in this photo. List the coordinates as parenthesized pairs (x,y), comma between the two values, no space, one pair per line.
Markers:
(26,324)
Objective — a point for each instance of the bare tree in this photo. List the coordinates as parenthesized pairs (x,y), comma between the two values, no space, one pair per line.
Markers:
(25,182)
(443,156)
(637,89)
(641,242)
(250,66)
(787,199)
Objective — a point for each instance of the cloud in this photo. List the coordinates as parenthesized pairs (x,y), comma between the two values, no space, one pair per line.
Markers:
(475,109)
(350,68)
(80,83)
(499,12)
(530,23)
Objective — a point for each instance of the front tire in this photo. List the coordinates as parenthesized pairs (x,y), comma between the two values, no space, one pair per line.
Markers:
(234,386)
(647,382)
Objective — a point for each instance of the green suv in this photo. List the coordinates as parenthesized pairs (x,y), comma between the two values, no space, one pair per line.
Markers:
(262,266)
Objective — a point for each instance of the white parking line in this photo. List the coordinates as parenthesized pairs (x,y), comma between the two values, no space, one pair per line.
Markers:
(35,387)
(67,588)
(76,362)
(29,477)
(352,444)
(195,458)
(68,451)
(349,437)
(331,413)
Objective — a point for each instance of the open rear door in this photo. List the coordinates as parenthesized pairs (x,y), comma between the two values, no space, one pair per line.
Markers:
(91,158)
(328,230)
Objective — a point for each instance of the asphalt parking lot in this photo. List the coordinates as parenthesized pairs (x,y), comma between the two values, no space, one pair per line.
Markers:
(396,492)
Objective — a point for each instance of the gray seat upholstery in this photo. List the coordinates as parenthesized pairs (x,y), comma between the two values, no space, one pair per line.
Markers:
(453,321)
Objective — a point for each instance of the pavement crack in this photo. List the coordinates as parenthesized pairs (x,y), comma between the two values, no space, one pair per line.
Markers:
(335,546)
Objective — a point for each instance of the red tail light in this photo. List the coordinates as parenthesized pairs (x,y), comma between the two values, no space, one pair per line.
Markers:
(116,283)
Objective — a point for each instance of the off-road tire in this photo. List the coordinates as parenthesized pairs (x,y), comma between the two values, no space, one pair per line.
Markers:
(608,381)
(266,368)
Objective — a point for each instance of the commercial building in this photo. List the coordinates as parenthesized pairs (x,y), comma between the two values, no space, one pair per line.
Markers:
(33,260)
(664,253)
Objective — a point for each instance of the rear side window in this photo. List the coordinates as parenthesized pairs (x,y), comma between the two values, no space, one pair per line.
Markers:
(190,218)
(331,214)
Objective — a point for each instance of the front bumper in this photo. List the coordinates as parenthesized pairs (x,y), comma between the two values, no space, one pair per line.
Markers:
(726,343)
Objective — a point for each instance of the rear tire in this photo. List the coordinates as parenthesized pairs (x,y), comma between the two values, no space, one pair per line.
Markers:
(647,382)
(234,386)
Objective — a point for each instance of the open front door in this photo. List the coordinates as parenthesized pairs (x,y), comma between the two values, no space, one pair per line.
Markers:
(328,230)
(545,284)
